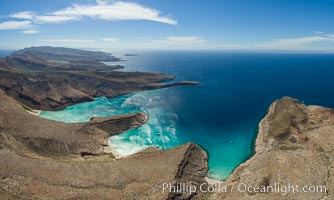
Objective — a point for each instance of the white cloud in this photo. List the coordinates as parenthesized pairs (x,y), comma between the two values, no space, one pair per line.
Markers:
(66,41)
(109,39)
(100,10)
(15,25)
(23,15)
(318,42)
(30,31)
(42,19)
(180,41)
(174,42)
(295,43)
(186,40)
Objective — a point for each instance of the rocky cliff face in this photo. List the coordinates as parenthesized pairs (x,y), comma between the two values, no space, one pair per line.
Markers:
(294,146)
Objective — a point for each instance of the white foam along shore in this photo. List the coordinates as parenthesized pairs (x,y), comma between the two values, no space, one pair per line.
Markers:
(212,181)
(110,149)
(34,112)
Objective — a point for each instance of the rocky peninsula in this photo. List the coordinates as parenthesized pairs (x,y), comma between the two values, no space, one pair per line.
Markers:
(31,78)
(294,147)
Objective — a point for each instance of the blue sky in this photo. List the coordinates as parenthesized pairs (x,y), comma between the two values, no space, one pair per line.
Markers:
(306,25)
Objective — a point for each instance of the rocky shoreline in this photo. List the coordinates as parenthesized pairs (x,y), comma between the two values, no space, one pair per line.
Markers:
(75,158)
(45,159)
(293,147)
(71,158)
(43,85)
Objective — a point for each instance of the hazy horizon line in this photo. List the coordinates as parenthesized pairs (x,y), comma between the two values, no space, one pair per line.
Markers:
(177,49)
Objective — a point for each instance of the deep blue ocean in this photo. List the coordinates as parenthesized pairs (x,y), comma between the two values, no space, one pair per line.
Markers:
(221,114)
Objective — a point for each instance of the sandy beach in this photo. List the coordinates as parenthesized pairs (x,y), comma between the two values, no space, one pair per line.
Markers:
(34,112)
(213,181)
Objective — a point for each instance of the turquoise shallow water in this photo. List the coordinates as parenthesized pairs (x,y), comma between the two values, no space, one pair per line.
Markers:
(161,130)
(222,114)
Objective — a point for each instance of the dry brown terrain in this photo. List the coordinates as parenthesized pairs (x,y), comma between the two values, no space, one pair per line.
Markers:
(295,145)
(43,159)
(43,85)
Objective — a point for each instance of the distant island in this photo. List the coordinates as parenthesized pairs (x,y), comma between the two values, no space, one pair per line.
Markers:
(45,159)
(130,54)
(66,54)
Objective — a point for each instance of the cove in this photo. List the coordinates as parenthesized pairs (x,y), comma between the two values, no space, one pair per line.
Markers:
(221,114)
